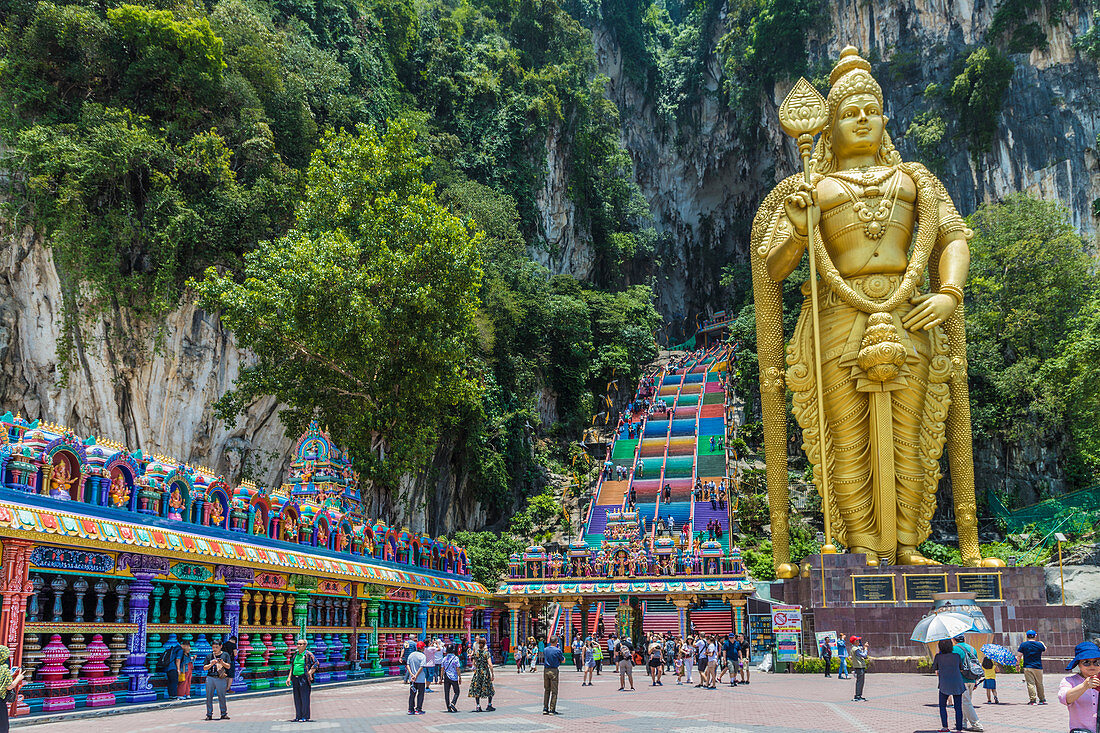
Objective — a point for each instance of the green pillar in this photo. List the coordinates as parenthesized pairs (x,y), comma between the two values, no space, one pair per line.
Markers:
(373,657)
(301,603)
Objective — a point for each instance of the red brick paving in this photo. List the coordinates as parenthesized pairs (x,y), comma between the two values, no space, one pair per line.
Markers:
(771,704)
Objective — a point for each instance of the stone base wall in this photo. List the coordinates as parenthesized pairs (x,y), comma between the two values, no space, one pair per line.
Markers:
(888,626)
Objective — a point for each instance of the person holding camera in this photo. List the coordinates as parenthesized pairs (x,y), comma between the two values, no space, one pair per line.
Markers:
(859,665)
(218,668)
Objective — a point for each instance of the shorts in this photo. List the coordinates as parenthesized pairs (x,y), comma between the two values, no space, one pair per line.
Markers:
(989,684)
(702,665)
(626,666)
(590,665)
(655,663)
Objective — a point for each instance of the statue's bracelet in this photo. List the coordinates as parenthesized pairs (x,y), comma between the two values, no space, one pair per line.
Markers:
(953,290)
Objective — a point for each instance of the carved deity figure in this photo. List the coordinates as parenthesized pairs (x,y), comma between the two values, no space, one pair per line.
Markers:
(288,529)
(120,492)
(322,536)
(258,527)
(175,504)
(216,513)
(892,255)
(60,481)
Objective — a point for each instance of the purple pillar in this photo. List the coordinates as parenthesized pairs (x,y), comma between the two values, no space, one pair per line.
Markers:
(144,568)
(236,578)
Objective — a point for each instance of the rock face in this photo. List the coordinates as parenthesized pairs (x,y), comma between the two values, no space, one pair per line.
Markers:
(703,183)
(124,386)
(1082,585)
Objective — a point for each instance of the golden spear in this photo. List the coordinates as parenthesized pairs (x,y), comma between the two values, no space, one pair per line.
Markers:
(803,115)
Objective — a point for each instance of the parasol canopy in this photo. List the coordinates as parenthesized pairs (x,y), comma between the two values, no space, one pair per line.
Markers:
(941,626)
(999,654)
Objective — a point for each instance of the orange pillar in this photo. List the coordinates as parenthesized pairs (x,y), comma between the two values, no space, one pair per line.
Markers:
(16,589)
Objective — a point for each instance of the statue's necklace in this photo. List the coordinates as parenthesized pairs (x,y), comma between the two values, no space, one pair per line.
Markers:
(875,213)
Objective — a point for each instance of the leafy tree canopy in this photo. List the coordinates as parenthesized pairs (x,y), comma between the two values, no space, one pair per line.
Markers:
(363,313)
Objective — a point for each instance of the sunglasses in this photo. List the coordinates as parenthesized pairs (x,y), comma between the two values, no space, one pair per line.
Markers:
(1090,662)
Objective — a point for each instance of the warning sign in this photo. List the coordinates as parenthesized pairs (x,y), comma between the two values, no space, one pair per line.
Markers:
(787,619)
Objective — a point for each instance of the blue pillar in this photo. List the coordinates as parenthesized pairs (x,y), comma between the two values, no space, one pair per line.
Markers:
(425,598)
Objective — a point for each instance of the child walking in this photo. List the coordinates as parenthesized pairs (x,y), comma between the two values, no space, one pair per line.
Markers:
(989,669)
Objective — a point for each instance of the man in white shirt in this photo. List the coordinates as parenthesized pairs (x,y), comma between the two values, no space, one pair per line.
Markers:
(414,668)
(429,665)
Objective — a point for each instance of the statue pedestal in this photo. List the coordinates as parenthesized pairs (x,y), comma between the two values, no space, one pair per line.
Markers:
(857,603)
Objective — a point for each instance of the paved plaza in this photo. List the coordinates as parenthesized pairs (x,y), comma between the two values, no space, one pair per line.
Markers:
(770,704)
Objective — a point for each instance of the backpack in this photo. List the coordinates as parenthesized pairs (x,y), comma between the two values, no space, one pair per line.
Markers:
(971,668)
(165,660)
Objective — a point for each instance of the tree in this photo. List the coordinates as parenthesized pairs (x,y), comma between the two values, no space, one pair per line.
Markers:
(362,316)
(1032,286)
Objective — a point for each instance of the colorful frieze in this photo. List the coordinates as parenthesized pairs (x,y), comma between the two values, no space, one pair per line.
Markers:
(191,571)
(62,558)
(270,581)
(731,585)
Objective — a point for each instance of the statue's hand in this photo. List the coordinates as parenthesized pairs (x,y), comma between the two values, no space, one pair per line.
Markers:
(796,206)
(932,310)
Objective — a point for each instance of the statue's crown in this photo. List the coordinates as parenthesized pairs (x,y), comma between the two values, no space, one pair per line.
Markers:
(851,75)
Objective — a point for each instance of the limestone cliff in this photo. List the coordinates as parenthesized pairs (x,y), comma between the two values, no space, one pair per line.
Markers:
(128,385)
(703,182)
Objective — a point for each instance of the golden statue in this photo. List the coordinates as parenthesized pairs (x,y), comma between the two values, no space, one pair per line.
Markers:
(258,527)
(175,504)
(885,359)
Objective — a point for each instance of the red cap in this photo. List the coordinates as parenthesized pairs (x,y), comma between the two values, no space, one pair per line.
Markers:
(419,645)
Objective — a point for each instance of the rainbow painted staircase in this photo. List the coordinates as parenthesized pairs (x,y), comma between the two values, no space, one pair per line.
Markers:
(675,449)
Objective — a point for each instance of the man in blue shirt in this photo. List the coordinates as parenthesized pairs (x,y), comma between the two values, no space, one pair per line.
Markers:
(552,656)
(1031,656)
(731,653)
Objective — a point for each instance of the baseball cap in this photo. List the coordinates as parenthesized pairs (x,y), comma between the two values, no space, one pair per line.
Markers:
(1031,632)
(419,645)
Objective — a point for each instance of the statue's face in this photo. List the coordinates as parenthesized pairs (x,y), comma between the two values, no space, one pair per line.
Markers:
(857,126)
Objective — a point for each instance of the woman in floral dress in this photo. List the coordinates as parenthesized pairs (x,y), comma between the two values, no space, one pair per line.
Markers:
(482,683)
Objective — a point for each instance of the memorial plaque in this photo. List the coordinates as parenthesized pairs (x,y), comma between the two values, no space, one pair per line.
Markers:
(920,587)
(986,586)
(873,589)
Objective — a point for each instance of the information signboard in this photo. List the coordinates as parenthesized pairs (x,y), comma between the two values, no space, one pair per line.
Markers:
(787,619)
(919,587)
(986,586)
(873,589)
(786,647)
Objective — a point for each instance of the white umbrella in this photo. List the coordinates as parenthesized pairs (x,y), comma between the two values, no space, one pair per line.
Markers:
(941,626)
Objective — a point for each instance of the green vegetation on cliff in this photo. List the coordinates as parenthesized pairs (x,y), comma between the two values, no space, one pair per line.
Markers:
(154,140)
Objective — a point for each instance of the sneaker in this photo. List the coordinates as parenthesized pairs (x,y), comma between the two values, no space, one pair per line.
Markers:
(1031,702)
(209,717)
(419,712)
(490,709)
(554,712)
(478,710)
(1042,702)
(545,712)
(225,717)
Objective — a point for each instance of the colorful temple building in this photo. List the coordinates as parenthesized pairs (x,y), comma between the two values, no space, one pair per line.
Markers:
(109,555)
(655,553)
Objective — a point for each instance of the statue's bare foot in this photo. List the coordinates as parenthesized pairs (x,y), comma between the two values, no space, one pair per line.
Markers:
(908,555)
(872,558)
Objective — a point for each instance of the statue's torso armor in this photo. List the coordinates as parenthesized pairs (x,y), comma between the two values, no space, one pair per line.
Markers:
(867,229)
